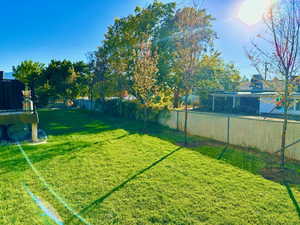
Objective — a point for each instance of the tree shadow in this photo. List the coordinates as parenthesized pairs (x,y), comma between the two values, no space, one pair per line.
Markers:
(223,152)
(292,197)
(121,185)
(13,160)
(65,122)
(17,163)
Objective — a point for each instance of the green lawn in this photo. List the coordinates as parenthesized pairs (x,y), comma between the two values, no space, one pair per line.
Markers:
(111,173)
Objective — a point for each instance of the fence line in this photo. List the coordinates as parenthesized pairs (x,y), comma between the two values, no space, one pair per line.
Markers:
(246,131)
(254,132)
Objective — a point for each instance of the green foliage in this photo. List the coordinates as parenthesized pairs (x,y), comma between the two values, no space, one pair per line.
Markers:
(100,81)
(59,80)
(145,83)
(132,110)
(194,37)
(61,76)
(123,39)
(29,72)
(214,74)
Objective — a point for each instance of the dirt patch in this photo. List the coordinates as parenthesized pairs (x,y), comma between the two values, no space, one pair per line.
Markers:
(191,144)
(198,143)
(282,176)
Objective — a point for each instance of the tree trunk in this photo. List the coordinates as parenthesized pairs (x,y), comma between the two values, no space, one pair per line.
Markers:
(91,96)
(145,118)
(284,127)
(91,102)
(185,118)
(176,98)
(65,102)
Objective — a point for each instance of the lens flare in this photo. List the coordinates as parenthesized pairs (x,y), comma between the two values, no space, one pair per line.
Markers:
(252,12)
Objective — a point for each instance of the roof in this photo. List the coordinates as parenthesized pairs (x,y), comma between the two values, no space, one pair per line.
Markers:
(269,85)
(243,94)
(251,94)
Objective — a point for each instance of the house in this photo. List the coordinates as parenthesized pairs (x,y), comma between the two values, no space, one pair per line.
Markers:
(256,97)
(11,97)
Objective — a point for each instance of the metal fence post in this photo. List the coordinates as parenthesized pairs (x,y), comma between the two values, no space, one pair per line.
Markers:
(177,120)
(228,129)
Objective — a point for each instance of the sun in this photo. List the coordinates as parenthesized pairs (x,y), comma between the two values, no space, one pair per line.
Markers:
(251,12)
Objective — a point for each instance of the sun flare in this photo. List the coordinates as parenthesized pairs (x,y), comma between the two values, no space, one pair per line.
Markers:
(251,12)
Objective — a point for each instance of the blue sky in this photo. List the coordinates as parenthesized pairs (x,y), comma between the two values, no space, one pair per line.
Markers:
(59,29)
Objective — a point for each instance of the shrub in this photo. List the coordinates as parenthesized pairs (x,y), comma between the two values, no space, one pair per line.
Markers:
(132,110)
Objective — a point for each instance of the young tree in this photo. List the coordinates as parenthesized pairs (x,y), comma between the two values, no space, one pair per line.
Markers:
(145,76)
(280,51)
(192,40)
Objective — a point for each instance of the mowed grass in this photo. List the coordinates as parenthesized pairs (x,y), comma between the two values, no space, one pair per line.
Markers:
(110,172)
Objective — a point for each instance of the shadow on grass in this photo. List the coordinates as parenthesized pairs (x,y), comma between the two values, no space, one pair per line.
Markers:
(118,187)
(223,152)
(65,122)
(12,159)
(16,162)
(293,199)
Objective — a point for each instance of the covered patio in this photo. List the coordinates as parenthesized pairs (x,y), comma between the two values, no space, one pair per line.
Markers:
(236,102)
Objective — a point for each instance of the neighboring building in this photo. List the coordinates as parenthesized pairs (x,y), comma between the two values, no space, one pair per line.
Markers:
(255,97)
(11,97)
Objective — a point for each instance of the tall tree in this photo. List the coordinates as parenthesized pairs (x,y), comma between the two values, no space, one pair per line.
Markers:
(124,36)
(194,37)
(280,51)
(164,43)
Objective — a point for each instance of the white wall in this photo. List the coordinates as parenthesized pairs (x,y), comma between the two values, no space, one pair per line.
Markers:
(264,135)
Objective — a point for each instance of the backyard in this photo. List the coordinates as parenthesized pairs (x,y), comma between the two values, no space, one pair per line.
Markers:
(108,171)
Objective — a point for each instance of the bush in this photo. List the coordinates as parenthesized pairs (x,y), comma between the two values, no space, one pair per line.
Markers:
(132,110)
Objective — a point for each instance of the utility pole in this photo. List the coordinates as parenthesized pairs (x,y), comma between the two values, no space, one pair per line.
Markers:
(266,70)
